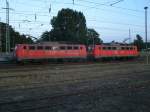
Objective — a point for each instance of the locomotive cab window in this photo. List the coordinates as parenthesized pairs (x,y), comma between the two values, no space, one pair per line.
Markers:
(32,47)
(39,47)
(81,48)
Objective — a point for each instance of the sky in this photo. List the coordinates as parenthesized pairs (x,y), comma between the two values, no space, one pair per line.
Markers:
(111,22)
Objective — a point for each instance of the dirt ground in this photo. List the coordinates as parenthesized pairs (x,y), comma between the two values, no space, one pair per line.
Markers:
(109,87)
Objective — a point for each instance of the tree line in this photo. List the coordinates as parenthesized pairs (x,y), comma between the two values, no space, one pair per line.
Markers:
(15,37)
(141,45)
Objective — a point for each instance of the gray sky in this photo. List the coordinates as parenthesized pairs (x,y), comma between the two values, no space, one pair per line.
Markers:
(111,22)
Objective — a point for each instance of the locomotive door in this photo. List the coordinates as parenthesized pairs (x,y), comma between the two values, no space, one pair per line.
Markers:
(25,52)
(90,52)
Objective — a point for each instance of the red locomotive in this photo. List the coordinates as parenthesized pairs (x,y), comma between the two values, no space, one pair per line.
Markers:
(72,51)
(50,51)
(117,51)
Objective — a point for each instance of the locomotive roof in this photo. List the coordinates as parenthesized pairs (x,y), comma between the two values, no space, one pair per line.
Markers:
(116,44)
(53,44)
(61,42)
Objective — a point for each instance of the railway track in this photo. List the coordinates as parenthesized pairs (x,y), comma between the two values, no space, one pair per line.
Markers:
(64,66)
(17,67)
(13,65)
(45,102)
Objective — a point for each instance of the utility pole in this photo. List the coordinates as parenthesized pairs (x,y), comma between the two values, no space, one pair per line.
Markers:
(147,60)
(0,36)
(93,42)
(146,27)
(49,35)
(93,37)
(7,42)
(129,36)
(7,27)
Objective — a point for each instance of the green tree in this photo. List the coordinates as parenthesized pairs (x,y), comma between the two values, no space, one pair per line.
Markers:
(93,36)
(139,42)
(15,37)
(69,25)
(45,36)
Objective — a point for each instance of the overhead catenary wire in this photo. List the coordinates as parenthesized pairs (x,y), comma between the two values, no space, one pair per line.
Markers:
(100,9)
(100,21)
(95,3)
(116,2)
(108,5)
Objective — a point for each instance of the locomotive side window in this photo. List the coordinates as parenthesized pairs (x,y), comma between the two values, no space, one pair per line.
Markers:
(125,48)
(118,48)
(39,47)
(32,47)
(69,47)
(105,48)
(113,48)
(75,48)
(48,47)
(24,47)
(55,48)
(122,48)
(109,48)
(62,47)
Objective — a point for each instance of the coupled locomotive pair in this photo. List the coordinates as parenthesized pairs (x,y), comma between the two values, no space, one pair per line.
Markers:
(57,51)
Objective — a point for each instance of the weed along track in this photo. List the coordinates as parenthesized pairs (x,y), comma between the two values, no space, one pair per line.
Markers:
(48,76)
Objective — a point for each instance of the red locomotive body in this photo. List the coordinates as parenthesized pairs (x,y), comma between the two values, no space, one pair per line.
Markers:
(72,51)
(50,51)
(105,51)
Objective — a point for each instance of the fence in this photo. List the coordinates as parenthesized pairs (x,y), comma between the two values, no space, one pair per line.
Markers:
(6,56)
